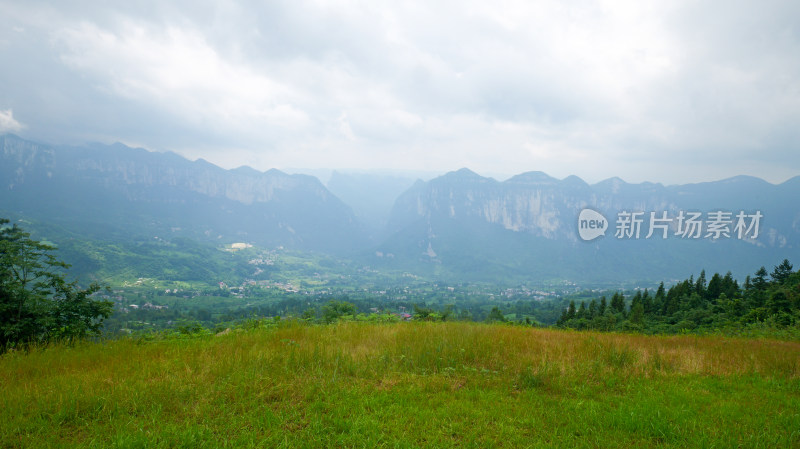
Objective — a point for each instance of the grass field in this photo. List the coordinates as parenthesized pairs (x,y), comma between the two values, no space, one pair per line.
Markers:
(404,385)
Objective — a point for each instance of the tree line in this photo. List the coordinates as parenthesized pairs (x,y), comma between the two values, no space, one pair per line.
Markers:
(696,304)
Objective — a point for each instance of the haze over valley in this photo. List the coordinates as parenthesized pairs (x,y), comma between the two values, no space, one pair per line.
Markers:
(457,226)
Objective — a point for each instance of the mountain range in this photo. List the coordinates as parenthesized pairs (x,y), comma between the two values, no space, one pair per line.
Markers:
(459,226)
(115,189)
(527,226)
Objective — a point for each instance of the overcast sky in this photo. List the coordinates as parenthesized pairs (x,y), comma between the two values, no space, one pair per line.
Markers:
(668,91)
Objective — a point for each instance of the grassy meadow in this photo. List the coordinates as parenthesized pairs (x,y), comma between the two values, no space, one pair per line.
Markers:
(403,385)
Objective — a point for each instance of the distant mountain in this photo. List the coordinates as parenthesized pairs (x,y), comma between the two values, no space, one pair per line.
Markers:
(466,226)
(459,226)
(117,191)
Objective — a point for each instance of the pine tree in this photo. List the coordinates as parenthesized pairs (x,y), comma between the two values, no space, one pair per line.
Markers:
(760,281)
(700,285)
(593,309)
(758,292)
(658,301)
(729,286)
(581,310)
(571,310)
(562,319)
(781,272)
(671,301)
(660,292)
(637,309)
(618,303)
(714,288)
(637,297)
(637,313)
(647,303)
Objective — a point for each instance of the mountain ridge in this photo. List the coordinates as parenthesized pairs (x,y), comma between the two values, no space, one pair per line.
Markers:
(537,214)
(131,187)
(460,224)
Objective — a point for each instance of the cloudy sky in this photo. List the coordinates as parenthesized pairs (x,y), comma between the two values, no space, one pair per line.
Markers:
(673,91)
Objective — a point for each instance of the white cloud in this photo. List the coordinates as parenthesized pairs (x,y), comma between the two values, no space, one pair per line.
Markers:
(177,70)
(8,123)
(594,88)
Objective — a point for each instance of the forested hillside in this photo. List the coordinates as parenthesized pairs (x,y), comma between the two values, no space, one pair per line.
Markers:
(696,304)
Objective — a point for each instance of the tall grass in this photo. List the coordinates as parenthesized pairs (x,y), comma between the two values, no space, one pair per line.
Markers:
(404,385)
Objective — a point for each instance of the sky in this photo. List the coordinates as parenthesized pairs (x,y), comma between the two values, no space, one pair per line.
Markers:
(663,91)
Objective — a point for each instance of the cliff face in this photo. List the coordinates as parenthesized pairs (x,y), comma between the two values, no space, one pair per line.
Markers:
(531,203)
(537,204)
(23,159)
(139,190)
(529,224)
(128,166)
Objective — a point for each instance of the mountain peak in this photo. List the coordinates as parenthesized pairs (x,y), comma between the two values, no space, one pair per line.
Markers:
(463,173)
(573,180)
(244,170)
(275,172)
(612,181)
(532,178)
(744,179)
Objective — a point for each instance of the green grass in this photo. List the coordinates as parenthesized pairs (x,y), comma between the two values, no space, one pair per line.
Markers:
(404,385)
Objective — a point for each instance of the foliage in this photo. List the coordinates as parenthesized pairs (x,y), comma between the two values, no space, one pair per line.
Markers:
(496,316)
(699,306)
(37,304)
(337,309)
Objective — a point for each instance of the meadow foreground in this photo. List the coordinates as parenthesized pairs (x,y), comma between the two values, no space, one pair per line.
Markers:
(403,385)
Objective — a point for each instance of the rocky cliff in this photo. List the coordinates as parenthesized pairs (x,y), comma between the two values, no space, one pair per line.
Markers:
(148,192)
(529,224)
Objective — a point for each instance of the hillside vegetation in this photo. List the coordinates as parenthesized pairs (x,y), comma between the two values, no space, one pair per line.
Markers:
(453,384)
(700,306)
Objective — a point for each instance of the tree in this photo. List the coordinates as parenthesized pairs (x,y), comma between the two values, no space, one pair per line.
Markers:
(618,303)
(760,281)
(758,288)
(571,310)
(729,285)
(309,314)
(779,302)
(581,310)
(700,285)
(715,288)
(334,310)
(647,302)
(637,313)
(593,309)
(658,300)
(496,315)
(781,272)
(424,313)
(37,304)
